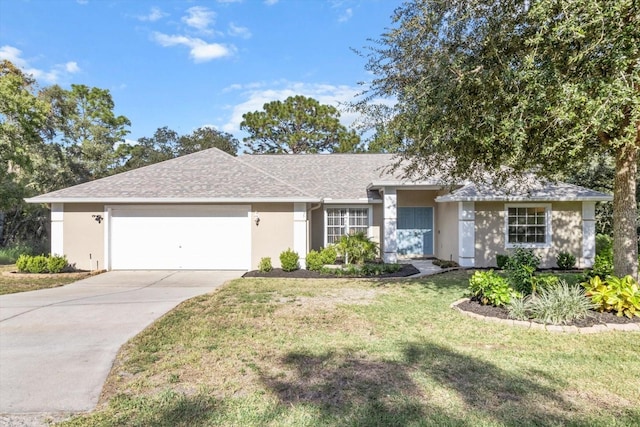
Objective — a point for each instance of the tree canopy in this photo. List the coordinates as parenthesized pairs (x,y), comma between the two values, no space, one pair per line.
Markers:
(517,86)
(297,125)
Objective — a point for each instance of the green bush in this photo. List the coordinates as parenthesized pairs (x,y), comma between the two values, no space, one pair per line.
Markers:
(329,255)
(56,264)
(37,264)
(444,263)
(621,295)
(362,270)
(557,304)
(357,248)
(565,261)
(264,265)
(520,268)
(602,266)
(314,260)
(501,260)
(604,245)
(289,260)
(490,288)
(22,263)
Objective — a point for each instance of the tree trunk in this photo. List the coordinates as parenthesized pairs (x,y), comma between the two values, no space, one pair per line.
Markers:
(625,240)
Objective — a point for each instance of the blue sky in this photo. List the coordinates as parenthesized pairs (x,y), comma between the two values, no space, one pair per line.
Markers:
(186,64)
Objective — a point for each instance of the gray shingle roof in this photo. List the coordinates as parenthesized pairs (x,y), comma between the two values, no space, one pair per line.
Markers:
(215,176)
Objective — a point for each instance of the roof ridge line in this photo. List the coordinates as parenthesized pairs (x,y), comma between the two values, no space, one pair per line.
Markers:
(237,158)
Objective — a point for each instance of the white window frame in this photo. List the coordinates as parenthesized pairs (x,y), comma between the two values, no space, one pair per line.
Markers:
(548,231)
(347,207)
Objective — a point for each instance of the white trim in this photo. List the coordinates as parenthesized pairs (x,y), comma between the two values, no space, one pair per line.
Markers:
(466,234)
(390,225)
(107,238)
(548,222)
(300,232)
(57,229)
(588,234)
(336,206)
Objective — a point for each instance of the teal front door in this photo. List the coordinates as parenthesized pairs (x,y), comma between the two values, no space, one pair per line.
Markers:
(415,231)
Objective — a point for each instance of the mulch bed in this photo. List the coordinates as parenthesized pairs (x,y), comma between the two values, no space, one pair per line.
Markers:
(595,317)
(406,270)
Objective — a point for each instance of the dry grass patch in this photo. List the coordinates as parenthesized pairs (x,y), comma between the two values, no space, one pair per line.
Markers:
(24,283)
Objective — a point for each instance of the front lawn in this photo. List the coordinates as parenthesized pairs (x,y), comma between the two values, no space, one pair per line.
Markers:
(293,352)
(24,282)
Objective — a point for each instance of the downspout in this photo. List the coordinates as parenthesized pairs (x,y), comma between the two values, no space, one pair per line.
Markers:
(309,222)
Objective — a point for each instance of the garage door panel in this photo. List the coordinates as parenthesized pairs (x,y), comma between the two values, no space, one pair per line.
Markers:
(180,238)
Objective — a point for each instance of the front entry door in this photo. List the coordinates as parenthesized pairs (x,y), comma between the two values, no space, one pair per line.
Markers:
(415,231)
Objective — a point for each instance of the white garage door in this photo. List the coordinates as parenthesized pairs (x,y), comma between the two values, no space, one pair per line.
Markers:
(185,237)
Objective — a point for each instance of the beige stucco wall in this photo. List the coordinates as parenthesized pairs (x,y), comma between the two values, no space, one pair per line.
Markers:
(447,231)
(274,234)
(566,227)
(83,237)
(377,222)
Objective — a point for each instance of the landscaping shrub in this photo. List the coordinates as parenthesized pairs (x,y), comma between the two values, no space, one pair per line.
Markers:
(490,288)
(445,264)
(621,295)
(362,270)
(545,281)
(289,260)
(264,265)
(557,304)
(357,248)
(604,245)
(501,260)
(520,268)
(22,263)
(329,255)
(37,264)
(55,264)
(602,266)
(314,261)
(565,261)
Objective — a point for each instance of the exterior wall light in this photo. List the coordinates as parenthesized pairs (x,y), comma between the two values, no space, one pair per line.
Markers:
(256,218)
(98,218)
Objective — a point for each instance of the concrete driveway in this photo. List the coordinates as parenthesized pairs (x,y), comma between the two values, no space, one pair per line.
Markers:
(58,345)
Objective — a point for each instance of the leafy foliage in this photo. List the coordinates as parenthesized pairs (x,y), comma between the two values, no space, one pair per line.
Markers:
(289,260)
(357,248)
(557,304)
(314,261)
(445,263)
(565,261)
(510,87)
(297,125)
(56,264)
(501,260)
(490,288)
(41,263)
(265,265)
(362,270)
(520,268)
(621,295)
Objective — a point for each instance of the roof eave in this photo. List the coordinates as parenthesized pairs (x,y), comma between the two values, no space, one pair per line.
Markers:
(172,200)
(443,199)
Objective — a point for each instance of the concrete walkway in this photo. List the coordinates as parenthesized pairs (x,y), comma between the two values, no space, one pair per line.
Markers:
(425,266)
(58,345)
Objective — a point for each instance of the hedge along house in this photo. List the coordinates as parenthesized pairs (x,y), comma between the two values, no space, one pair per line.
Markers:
(210,210)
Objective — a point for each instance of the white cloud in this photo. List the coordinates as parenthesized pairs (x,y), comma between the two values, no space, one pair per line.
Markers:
(229,1)
(200,51)
(199,17)
(270,2)
(53,75)
(72,67)
(258,94)
(82,1)
(155,14)
(348,13)
(238,31)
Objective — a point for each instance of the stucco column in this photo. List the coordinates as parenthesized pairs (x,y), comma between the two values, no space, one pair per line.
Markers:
(390,224)
(57,228)
(466,234)
(300,232)
(588,234)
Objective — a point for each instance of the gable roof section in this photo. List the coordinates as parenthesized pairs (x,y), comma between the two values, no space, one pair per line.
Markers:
(206,176)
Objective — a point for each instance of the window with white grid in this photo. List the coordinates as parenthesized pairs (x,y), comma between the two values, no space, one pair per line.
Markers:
(528,226)
(342,221)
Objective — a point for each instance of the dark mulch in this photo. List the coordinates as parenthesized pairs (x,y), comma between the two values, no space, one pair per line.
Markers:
(406,270)
(595,317)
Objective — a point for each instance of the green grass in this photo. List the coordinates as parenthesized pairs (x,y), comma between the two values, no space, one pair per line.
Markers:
(345,352)
(24,283)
